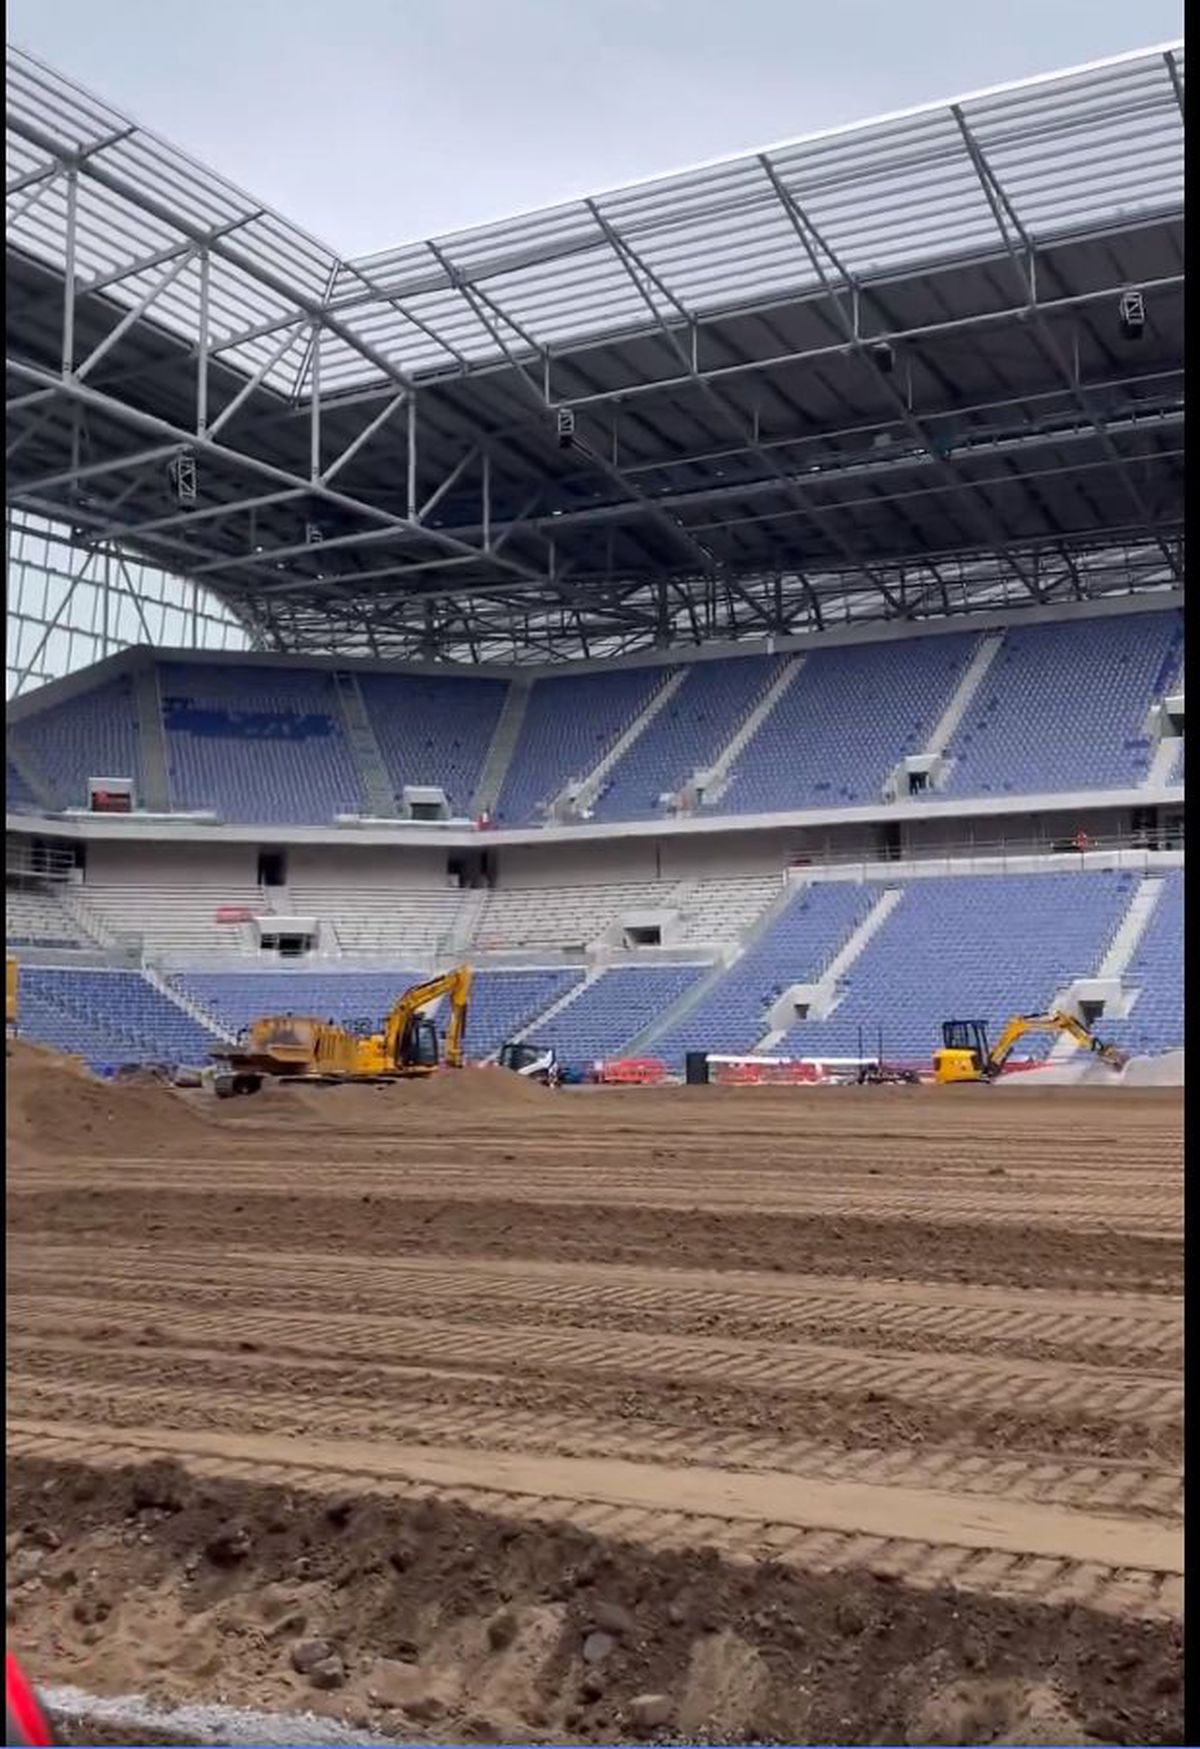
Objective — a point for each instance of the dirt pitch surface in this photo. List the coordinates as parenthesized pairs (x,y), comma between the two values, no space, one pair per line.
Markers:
(471,1411)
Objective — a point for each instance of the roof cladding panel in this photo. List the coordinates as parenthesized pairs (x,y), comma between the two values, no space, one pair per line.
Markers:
(792,374)
(137,199)
(1096,146)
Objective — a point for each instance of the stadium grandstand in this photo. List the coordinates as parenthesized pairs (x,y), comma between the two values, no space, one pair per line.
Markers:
(738,612)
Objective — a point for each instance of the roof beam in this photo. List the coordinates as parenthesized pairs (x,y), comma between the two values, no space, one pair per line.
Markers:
(1004,214)
(148,422)
(730,417)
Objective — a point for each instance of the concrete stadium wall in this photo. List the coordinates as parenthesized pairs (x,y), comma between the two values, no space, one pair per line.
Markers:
(146,860)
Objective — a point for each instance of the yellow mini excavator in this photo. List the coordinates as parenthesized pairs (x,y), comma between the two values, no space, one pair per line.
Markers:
(965,1056)
(290,1047)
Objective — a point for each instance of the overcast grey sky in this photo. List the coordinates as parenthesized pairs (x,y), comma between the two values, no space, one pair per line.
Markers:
(371,122)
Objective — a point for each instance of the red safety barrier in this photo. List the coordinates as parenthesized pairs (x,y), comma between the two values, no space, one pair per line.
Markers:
(232,914)
(633,1072)
(767,1074)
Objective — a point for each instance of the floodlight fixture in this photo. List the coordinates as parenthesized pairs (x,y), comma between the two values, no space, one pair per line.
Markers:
(1131,313)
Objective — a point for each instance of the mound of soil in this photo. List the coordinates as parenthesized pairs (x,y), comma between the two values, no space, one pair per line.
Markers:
(56,1107)
(472,1092)
(400,1613)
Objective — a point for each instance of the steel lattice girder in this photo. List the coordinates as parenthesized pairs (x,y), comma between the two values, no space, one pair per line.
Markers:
(882,350)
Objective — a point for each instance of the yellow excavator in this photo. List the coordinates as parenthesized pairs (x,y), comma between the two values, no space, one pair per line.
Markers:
(290,1047)
(964,1054)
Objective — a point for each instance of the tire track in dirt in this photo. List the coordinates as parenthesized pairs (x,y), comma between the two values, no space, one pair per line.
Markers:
(44,1257)
(1108,1487)
(1120,1395)
(1137,1335)
(305,1219)
(1026,1551)
(1131,1208)
(841,1394)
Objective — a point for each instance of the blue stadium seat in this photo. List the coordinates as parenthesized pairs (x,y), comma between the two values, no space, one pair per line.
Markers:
(1064,706)
(433,729)
(109,1018)
(794,949)
(94,734)
(570,723)
(969,947)
(258,744)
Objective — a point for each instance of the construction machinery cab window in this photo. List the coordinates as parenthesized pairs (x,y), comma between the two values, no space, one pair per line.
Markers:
(515,1054)
(418,1047)
(966,1035)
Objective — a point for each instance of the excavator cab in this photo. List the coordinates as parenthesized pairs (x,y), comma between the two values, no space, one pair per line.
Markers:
(417,1047)
(964,1055)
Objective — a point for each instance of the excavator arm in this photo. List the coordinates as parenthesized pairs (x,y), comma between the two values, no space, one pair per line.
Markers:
(1058,1022)
(457,986)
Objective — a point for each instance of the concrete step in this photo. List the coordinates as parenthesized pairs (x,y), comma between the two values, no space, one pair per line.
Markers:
(1165,758)
(461,932)
(155,787)
(194,1010)
(720,771)
(555,1007)
(379,792)
(822,993)
(84,917)
(947,725)
(642,1044)
(1113,965)
(698,992)
(580,801)
(857,941)
(1131,928)
(503,745)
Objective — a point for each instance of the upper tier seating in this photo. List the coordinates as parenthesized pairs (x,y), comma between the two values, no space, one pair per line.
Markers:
(686,735)
(841,727)
(434,729)
(94,734)
(570,722)
(1005,944)
(258,744)
(1064,706)
(18,797)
